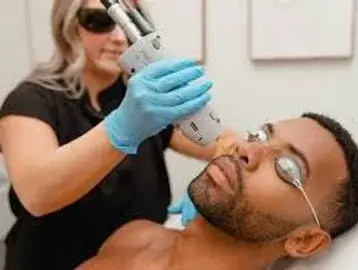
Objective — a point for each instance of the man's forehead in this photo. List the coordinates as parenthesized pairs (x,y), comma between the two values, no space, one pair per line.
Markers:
(306,134)
(298,123)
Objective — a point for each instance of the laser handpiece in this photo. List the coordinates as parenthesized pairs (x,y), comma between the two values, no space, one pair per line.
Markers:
(204,127)
(120,17)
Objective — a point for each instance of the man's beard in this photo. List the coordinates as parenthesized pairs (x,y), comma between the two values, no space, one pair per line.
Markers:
(234,214)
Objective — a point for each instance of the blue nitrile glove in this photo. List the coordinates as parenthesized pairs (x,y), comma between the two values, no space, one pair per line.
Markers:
(186,208)
(158,95)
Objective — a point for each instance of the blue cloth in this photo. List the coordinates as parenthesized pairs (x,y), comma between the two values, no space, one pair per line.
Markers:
(186,208)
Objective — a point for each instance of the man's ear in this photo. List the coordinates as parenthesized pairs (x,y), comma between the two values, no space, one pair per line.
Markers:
(306,242)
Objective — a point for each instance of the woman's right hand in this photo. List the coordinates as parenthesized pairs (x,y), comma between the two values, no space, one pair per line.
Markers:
(158,95)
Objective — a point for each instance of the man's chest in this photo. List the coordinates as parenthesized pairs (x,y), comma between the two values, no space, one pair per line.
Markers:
(146,258)
(151,259)
(154,259)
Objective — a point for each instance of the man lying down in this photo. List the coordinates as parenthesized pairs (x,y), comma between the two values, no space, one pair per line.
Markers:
(287,190)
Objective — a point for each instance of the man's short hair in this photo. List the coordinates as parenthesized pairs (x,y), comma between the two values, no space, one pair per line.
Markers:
(347,197)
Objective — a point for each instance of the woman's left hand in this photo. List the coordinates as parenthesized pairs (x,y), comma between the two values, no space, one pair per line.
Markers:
(185,208)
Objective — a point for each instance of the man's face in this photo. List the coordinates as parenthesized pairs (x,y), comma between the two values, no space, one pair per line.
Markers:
(247,194)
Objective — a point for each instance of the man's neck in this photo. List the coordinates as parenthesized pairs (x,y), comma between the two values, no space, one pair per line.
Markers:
(202,244)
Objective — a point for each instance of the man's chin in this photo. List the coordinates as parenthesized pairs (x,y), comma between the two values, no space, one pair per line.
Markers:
(204,192)
(206,201)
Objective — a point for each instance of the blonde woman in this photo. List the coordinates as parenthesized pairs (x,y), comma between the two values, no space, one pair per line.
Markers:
(84,147)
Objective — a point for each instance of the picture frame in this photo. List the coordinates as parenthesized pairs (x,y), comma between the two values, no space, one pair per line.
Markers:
(296,29)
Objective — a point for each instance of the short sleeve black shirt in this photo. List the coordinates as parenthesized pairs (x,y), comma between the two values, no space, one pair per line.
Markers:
(138,187)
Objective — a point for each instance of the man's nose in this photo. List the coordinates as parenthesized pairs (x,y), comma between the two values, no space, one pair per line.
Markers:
(251,154)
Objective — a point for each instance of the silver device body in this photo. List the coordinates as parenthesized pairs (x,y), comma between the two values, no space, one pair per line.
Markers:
(203,127)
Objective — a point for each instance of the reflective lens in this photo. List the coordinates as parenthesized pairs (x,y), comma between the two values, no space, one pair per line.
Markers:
(95,20)
(289,170)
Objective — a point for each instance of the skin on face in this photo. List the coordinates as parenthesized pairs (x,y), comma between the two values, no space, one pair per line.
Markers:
(259,206)
(102,49)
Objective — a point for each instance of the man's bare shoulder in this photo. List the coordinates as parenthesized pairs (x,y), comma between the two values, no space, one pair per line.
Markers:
(135,234)
(140,244)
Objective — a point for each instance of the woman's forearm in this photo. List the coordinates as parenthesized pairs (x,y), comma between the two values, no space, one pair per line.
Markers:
(61,177)
(181,144)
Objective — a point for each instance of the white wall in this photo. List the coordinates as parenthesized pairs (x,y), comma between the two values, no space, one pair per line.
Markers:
(40,14)
(245,94)
(15,59)
(15,55)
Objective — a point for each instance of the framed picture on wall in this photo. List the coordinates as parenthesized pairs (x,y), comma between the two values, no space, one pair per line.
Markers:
(301,29)
(182,24)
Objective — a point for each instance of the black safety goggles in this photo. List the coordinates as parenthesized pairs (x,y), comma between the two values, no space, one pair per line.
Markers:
(95,20)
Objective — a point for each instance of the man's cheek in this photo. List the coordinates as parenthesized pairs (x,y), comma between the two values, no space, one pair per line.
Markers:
(265,192)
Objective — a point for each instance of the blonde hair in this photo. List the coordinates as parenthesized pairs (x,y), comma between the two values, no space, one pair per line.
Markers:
(63,71)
